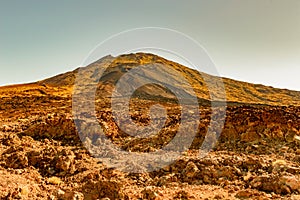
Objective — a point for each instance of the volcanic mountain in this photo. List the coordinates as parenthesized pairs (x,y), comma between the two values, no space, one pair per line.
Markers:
(44,156)
(236,91)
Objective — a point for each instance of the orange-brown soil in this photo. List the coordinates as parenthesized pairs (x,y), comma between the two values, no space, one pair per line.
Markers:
(42,157)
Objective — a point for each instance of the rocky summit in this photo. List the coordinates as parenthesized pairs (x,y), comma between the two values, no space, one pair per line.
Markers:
(256,154)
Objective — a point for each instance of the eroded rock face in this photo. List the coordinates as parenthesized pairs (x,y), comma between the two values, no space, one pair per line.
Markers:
(102,189)
(285,184)
(53,126)
(151,193)
(191,170)
(259,159)
(65,161)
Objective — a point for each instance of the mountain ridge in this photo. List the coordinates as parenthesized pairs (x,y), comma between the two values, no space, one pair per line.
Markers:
(236,91)
(239,92)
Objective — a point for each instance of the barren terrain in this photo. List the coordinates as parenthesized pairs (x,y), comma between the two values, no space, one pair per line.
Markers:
(257,155)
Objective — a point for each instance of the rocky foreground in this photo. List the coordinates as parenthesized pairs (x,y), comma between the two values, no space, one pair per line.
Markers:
(256,157)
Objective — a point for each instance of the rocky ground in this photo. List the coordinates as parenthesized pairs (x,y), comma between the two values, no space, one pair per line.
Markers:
(256,157)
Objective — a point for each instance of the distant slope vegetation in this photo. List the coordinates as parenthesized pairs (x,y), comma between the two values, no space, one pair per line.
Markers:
(236,91)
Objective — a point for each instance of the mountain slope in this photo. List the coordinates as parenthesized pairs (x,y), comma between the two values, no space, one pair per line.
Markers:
(236,91)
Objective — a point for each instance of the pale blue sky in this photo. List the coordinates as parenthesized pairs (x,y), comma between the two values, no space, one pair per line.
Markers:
(250,40)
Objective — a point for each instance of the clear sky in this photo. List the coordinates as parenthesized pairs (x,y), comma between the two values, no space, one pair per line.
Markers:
(250,40)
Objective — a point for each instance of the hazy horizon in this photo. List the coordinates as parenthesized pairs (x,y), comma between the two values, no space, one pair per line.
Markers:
(255,41)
